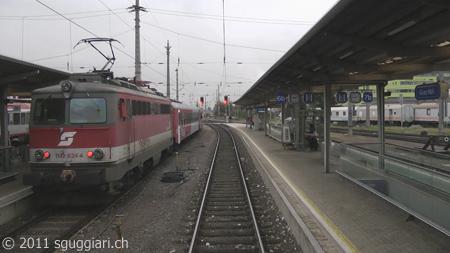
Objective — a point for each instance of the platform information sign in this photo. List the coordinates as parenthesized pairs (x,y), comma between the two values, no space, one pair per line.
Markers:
(308,98)
(286,136)
(431,91)
(367,97)
(341,97)
(280,98)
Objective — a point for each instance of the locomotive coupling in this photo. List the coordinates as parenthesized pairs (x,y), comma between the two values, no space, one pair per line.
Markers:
(68,176)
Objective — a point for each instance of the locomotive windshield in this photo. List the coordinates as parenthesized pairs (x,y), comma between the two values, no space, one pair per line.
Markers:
(87,110)
(49,111)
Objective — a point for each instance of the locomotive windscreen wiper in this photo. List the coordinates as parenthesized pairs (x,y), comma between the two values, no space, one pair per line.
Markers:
(49,95)
(96,106)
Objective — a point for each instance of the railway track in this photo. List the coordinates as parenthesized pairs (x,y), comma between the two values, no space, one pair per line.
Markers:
(51,225)
(393,136)
(58,223)
(226,220)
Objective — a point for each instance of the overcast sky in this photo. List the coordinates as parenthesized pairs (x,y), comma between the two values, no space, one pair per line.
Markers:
(257,34)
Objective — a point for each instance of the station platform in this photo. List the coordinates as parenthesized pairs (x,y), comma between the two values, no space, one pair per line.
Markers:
(15,198)
(334,214)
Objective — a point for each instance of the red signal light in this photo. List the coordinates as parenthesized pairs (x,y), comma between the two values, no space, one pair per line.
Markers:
(90,154)
(46,155)
(201,100)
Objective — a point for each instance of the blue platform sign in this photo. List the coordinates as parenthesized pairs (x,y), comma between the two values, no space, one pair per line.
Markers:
(242,108)
(341,97)
(280,98)
(367,97)
(308,98)
(431,91)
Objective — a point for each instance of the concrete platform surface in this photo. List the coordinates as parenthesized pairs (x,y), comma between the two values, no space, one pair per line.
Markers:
(342,216)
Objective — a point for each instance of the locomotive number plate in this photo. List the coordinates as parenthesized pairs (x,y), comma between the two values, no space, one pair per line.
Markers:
(69,155)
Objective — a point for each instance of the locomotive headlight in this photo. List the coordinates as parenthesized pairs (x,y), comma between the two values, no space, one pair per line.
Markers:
(98,153)
(39,154)
(66,86)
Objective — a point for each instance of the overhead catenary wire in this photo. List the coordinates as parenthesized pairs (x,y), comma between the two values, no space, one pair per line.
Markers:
(116,13)
(67,19)
(215,42)
(71,21)
(169,12)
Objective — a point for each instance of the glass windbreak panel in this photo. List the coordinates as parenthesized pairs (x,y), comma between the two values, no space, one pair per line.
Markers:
(428,159)
(424,191)
(87,110)
(360,164)
(49,111)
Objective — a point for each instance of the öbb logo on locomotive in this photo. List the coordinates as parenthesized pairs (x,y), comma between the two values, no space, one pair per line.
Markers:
(66,138)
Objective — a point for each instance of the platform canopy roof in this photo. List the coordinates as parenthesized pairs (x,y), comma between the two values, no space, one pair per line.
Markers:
(361,42)
(19,78)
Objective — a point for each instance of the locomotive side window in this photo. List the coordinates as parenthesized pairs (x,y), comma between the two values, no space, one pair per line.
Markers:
(152,108)
(167,109)
(128,110)
(134,107)
(144,108)
(87,110)
(139,107)
(49,111)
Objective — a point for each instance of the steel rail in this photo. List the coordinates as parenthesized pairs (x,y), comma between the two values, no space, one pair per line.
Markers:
(252,212)
(202,205)
(207,188)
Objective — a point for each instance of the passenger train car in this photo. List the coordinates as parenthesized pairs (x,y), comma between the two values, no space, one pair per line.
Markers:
(186,120)
(18,118)
(423,114)
(428,113)
(392,113)
(86,134)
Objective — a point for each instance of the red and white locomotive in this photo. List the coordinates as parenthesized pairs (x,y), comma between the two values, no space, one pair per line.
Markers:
(101,133)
